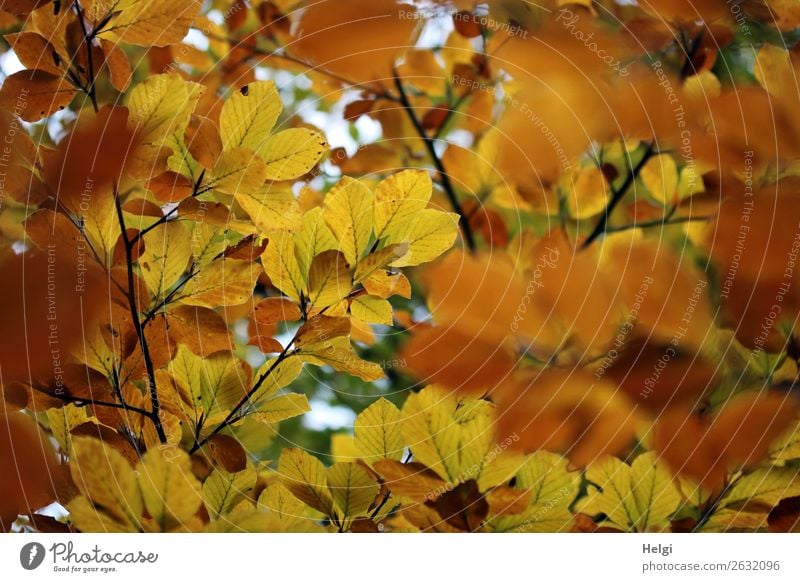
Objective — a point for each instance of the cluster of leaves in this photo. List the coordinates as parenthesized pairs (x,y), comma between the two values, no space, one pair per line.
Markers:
(186,266)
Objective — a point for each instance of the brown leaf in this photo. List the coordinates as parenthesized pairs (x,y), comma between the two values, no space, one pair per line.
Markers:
(228,452)
(90,157)
(464,508)
(170,187)
(25,486)
(117,63)
(23,7)
(35,52)
(446,356)
(35,94)
(356,109)
(412,480)
(322,328)
(507,500)
(203,140)
(467,24)
(272,310)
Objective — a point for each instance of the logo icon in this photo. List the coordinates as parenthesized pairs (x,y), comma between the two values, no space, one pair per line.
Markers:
(31,555)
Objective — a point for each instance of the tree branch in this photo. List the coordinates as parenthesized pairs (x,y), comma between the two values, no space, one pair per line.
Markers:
(430,145)
(195,193)
(81,401)
(617,195)
(88,38)
(231,417)
(148,361)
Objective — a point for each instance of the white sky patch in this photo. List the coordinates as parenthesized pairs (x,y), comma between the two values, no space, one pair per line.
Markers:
(10,64)
(197,39)
(323,416)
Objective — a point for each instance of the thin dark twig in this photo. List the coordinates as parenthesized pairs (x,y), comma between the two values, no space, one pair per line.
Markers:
(664,221)
(691,52)
(196,191)
(137,323)
(617,195)
(711,508)
(88,38)
(166,301)
(255,50)
(83,401)
(430,145)
(232,415)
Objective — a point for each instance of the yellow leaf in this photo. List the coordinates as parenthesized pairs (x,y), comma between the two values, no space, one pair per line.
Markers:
(787,448)
(62,421)
(171,493)
(348,213)
(338,354)
(321,328)
(222,283)
(547,475)
(282,407)
(207,243)
(398,199)
(222,489)
(773,70)
(449,437)
(161,105)
(587,192)
(280,264)
(277,375)
(372,310)
(377,432)
(238,170)
(167,251)
(105,478)
(343,448)
(151,22)
(313,238)
(736,520)
(660,177)
(328,280)
(292,152)
(86,517)
(429,235)
(768,485)
(304,476)
(703,86)
(248,116)
(352,488)
(638,497)
(270,210)
(280,501)
(382,284)
(244,518)
(378,260)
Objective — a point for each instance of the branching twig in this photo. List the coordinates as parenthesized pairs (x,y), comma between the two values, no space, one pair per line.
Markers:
(430,145)
(255,50)
(137,323)
(196,191)
(82,401)
(232,415)
(617,195)
(88,39)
